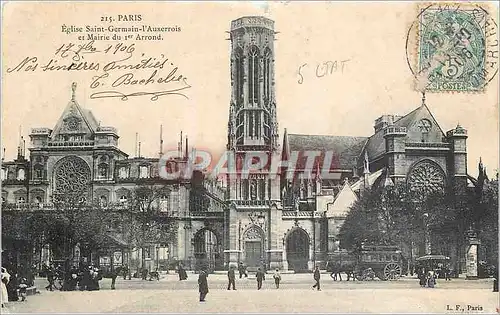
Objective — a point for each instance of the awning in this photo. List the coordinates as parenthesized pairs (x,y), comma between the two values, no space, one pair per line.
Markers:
(114,241)
(432,257)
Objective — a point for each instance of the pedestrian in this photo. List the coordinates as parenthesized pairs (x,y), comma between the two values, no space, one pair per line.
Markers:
(203,285)
(337,273)
(260,276)
(422,278)
(23,287)
(316,278)
(124,271)
(447,272)
(182,273)
(50,278)
(12,287)
(242,270)
(231,277)
(144,274)
(5,280)
(277,278)
(85,278)
(114,275)
(73,278)
(431,279)
(93,281)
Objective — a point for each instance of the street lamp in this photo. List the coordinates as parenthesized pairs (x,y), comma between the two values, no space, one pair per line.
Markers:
(427,241)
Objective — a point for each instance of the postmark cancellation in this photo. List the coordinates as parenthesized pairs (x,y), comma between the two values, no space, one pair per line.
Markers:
(457,48)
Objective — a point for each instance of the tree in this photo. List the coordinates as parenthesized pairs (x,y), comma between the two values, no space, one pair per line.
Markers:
(394,215)
(147,219)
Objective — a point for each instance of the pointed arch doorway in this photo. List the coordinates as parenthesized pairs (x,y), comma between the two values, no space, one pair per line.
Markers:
(297,250)
(254,247)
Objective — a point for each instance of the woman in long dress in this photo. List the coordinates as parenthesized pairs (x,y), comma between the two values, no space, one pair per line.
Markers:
(4,294)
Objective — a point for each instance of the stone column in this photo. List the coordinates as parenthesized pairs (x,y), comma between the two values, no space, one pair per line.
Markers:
(232,254)
(471,256)
(275,251)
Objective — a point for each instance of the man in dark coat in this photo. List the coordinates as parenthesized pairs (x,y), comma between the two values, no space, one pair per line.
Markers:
(72,279)
(202,285)
(85,280)
(182,273)
(242,270)
(260,275)
(114,274)
(231,277)
(12,287)
(50,278)
(125,272)
(316,278)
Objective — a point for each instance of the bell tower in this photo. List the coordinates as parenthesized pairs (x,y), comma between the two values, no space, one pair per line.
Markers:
(252,121)
(254,215)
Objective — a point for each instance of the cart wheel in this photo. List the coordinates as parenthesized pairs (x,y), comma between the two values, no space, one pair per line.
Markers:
(392,271)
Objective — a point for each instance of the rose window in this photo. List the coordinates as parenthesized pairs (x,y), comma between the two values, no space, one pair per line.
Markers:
(426,177)
(72,176)
(72,123)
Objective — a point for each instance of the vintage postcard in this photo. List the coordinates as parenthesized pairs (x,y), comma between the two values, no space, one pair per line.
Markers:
(249,157)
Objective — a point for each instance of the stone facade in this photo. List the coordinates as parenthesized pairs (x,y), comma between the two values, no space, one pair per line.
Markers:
(263,218)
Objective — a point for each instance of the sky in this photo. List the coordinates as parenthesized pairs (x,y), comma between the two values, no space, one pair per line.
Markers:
(366,40)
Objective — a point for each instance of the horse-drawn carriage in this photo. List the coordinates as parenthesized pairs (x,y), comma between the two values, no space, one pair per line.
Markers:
(369,261)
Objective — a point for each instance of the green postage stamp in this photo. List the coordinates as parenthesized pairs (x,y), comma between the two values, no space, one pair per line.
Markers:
(456,48)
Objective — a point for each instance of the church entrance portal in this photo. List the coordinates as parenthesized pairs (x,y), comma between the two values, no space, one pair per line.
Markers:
(297,250)
(254,257)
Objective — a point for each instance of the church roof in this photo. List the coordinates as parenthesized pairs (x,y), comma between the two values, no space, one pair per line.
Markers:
(342,202)
(376,143)
(372,178)
(345,149)
(73,109)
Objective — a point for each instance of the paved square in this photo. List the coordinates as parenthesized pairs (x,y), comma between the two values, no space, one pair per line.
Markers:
(295,296)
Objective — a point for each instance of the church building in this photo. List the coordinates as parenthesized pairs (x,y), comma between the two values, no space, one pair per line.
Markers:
(264,218)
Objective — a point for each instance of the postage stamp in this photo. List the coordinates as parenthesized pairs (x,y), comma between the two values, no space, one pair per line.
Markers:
(457,48)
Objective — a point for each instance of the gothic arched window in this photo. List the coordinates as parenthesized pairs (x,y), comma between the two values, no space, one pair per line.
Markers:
(239,75)
(20,174)
(425,127)
(267,75)
(123,199)
(21,199)
(240,128)
(253,75)
(38,171)
(163,203)
(103,170)
(123,172)
(143,171)
(103,200)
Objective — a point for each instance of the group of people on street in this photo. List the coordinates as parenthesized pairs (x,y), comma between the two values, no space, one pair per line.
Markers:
(428,279)
(85,278)
(14,286)
(260,276)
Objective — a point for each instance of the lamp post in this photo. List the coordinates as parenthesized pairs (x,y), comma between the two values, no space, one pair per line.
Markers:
(427,241)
